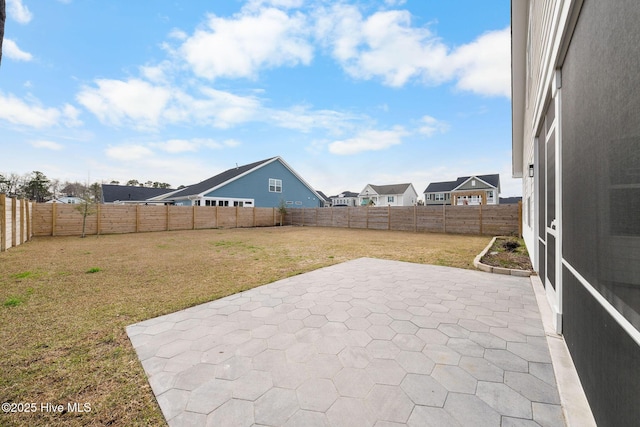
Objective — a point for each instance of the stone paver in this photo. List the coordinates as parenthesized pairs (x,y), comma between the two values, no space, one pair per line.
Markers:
(367,342)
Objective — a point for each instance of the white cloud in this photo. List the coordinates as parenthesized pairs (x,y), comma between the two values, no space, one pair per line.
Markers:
(305,119)
(369,140)
(282,4)
(383,45)
(117,102)
(11,50)
(484,65)
(175,146)
(70,116)
(156,73)
(146,106)
(19,112)
(217,108)
(128,152)
(429,126)
(18,12)
(241,46)
(49,145)
(386,46)
(178,34)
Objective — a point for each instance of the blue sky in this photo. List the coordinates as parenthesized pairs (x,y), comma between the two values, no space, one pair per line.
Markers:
(347,92)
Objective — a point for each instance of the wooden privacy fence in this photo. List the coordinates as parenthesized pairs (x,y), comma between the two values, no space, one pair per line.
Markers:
(15,221)
(66,220)
(481,219)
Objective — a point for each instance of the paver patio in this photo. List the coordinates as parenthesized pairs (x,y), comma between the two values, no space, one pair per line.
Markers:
(363,343)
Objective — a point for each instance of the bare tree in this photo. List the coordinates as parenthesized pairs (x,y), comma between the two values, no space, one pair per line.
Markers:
(10,184)
(90,197)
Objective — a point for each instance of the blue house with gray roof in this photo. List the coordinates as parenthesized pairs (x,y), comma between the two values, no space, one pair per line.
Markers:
(266,183)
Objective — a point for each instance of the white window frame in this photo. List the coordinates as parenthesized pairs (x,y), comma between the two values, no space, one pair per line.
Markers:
(276,184)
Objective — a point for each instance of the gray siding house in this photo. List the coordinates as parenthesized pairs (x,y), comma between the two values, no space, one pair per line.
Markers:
(576,146)
(266,183)
(466,190)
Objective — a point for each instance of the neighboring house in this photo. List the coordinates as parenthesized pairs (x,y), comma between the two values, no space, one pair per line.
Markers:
(346,198)
(67,200)
(121,194)
(388,195)
(466,190)
(267,183)
(576,144)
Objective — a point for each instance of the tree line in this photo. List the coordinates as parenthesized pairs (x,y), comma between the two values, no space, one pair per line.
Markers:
(37,187)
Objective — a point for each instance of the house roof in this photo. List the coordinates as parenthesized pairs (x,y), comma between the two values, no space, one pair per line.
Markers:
(323,196)
(390,189)
(439,187)
(112,192)
(229,175)
(519,30)
(510,200)
(217,180)
(345,194)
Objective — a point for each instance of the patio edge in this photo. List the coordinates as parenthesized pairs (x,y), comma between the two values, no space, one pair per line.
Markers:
(575,406)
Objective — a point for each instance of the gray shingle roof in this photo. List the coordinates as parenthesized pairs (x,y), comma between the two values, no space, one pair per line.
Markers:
(439,187)
(345,194)
(221,178)
(390,189)
(112,193)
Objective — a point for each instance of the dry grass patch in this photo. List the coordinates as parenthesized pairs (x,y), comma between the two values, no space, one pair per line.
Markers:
(63,330)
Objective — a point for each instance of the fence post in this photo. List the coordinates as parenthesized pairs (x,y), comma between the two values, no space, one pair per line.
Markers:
(22,221)
(29,220)
(14,230)
(367,216)
(166,212)
(237,207)
(444,217)
(54,215)
(480,218)
(3,222)
(415,218)
(254,216)
(520,218)
(388,217)
(98,219)
(137,218)
(193,218)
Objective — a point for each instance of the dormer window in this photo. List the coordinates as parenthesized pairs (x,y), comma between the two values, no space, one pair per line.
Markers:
(473,182)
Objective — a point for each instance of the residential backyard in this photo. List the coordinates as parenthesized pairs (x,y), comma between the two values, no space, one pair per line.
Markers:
(65,303)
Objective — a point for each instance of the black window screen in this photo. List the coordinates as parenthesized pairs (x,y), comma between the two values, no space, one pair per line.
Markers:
(601,153)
